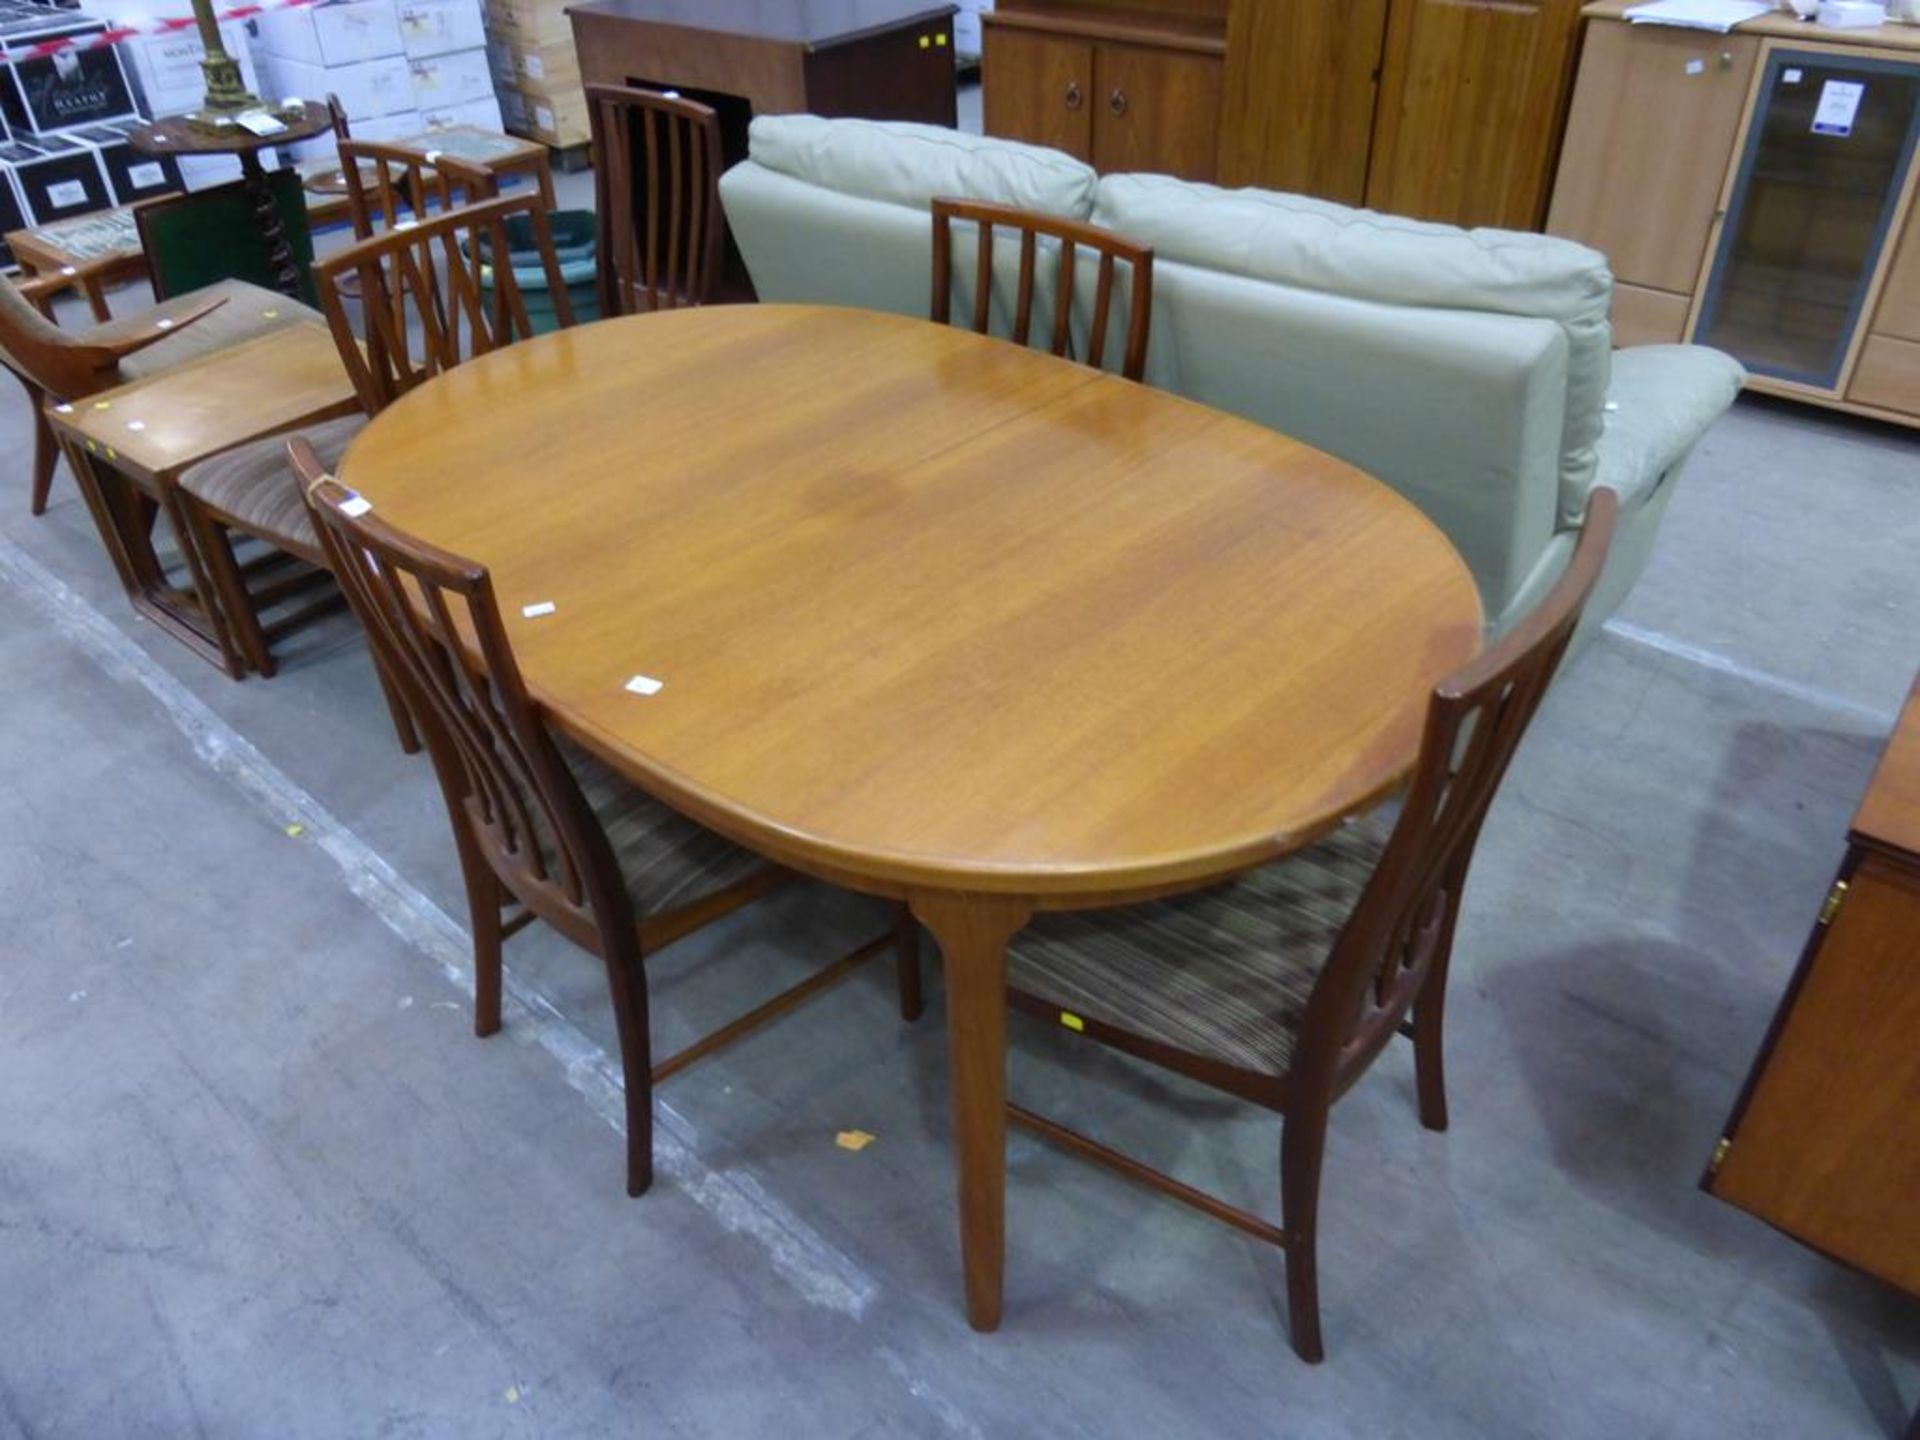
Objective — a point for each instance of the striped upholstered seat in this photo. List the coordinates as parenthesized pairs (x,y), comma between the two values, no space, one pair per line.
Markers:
(1223,974)
(251,487)
(667,859)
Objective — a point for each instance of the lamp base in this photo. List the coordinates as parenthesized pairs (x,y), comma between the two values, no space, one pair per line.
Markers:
(227,95)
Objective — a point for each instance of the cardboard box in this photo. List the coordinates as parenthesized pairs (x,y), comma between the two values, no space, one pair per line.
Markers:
(131,175)
(165,69)
(74,87)
(441,27)
(201,172)
(529,22)
(483,113)
(338,33)
(58,178)
(402,125)
(367,88)
(550,68)
(553,119)
(457,79)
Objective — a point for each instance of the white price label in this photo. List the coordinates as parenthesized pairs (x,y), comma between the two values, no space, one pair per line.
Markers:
(66,192)
(148,174)
(1839,106)
(533,65)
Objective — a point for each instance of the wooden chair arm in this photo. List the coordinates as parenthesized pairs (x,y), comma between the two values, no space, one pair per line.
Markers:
(39,290)
(117,339)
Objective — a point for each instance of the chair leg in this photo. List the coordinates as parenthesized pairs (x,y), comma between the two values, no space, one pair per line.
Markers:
(1429,1062)
(46,455)
(403,726)
(1301,1149)
(628,982)
(484,899)
(906,941)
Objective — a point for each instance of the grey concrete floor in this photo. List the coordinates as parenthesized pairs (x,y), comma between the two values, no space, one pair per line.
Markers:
(258,1179)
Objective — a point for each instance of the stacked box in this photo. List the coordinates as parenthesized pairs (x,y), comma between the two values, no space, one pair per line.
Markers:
(399,67)
(536,72)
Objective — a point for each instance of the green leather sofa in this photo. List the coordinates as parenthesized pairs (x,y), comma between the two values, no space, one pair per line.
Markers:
(1471,370)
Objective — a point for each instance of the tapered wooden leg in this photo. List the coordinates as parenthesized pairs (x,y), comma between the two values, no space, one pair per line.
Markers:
(973,931)
(628,983)
(906,941)
(46,455)
(484,899)
(1301,1150)
(1429,1062)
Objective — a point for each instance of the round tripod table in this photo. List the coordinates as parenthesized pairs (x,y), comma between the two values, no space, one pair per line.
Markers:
(177,136)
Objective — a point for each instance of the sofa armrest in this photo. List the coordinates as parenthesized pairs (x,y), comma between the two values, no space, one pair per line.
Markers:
(1661,401)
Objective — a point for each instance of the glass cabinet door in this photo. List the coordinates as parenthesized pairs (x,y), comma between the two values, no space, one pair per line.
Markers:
(1819,181)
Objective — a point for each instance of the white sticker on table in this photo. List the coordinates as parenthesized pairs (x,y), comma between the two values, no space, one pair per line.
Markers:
(1839,105)
(645,685)
(534,612)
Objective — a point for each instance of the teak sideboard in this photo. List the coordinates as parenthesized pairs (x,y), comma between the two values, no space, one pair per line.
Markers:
(1426,108)
(1824,1142)
(1755,191)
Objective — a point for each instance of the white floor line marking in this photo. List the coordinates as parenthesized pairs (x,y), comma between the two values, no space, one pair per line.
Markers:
(1726,665)
(823,1274)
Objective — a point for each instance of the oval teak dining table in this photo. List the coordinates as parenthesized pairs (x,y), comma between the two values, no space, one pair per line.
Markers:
(936,617)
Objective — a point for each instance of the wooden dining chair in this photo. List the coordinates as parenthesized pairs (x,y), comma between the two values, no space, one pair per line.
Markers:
(432,292)
(656,196)
(63,366)
(1069,238)
(387,185)
(539,822)
(1283,986)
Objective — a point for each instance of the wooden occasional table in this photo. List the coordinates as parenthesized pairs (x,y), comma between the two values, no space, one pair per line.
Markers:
(94,250)
(497,153)
(128,447)
(175,136)
(937,617)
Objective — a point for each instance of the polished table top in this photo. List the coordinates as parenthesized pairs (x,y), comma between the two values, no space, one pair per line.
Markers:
(931,610)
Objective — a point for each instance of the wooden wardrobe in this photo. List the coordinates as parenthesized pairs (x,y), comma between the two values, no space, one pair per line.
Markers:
(1432,108)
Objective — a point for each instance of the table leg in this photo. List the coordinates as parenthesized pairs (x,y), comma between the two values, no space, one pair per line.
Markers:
(266,214)
(96,298)
(973,931)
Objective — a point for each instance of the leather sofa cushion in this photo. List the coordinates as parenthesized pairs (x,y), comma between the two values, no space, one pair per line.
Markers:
(907,164)
(1316,245)
(1663,399)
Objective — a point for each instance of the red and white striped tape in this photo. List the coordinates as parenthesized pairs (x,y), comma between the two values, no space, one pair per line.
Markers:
(114,34)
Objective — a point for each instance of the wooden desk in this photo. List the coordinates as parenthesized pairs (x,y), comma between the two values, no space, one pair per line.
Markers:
(937,617)
(497,153)
(129,446)
(1824,1142)
(93,250)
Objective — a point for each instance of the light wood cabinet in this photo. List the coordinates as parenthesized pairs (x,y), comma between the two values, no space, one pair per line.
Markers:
(1824,1142)
(1755,191)
(1122,94)
(1625,186)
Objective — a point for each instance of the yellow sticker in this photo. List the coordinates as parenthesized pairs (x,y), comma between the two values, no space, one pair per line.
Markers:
(1072,1021)
(110,453)
(513,1394)
(103,404)
(269,314)
(853,1139)
(926,43)
(941,41)
(294,832)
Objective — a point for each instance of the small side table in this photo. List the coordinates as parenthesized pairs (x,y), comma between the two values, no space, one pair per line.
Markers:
(93,250)
(175,136)
(128,448)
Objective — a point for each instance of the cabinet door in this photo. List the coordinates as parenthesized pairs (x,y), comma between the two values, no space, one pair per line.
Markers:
(1039,88)
(1648,143)
(1157,110)
(1827,1143)
(1471,99)
(1809,213)
(1301,80)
